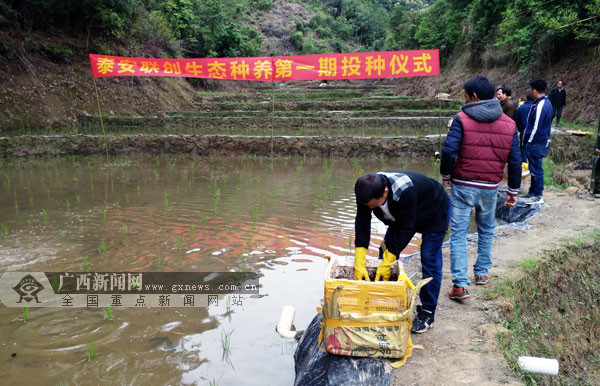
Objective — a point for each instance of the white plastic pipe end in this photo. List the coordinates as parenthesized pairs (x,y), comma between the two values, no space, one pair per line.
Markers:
(538,365)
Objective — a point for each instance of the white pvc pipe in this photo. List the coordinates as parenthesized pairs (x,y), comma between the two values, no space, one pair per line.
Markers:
(539,365)
(285,327)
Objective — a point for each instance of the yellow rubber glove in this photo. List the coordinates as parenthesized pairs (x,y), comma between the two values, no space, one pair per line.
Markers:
(383,270)
(402,276)
(360,258)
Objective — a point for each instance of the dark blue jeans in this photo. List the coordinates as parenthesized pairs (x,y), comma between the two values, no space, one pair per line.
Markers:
(535,154)
(431,264)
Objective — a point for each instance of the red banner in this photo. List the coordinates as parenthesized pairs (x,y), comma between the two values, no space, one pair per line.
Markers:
(363,65)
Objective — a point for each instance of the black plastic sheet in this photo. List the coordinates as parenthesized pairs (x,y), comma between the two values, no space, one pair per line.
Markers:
(518,213)
(317,368)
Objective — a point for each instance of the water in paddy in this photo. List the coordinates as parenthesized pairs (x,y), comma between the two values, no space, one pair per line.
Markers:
(280,218)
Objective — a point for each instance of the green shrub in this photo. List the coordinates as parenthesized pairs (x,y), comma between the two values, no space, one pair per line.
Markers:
(297,40)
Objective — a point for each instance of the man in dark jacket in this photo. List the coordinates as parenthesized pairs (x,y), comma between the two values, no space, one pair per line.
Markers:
(558,98)
(521,121)
(503,94)
(480,142)
(536,140)
(407,202)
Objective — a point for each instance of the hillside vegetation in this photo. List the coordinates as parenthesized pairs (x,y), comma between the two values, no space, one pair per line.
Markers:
(523,39)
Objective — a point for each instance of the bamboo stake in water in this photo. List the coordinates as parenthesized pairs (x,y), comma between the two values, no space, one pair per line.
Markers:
(101,122)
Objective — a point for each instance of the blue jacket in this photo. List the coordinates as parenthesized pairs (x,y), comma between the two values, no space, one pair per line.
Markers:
(521,115)
(539,121)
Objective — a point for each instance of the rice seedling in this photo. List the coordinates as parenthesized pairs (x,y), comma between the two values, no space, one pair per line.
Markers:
(125,230)
(281,186)
(4,230)
(156,175)
(85,264)
(179,242)
(104,213)
(29,221)
(226,341)
(91,350)
(127,198)
(117,205)
(255,214)
(48,192)
(158,259)
(44,213)
(228,304)
(85,220)
(166,202)
(103,246)
(17,206)
(150,215)
(137,190)
(192,227)
(213,382)
(25,313)
(109,311)
(27,246)
(77,198)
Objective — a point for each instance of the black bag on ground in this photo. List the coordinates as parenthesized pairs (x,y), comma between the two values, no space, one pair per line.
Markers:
(518,213)
(317,368)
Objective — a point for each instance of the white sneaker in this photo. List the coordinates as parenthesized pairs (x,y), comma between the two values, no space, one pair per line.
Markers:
(534,200)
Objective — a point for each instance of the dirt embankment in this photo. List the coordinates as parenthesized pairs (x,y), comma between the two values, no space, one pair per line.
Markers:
(564,147)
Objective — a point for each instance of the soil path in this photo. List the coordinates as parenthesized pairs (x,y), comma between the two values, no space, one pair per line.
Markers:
(461,348)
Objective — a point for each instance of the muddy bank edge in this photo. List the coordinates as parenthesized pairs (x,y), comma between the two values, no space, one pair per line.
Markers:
(563,147)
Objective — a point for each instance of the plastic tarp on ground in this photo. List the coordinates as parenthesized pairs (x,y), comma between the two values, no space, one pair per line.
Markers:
(317,368)
(518,213)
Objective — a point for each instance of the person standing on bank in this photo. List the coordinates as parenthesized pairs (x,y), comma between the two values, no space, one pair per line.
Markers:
(536,140)
(479,144)
(407,202)
(558,98)
(506,102)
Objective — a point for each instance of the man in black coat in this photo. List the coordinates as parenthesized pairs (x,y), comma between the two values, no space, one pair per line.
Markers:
(558,98)
(407,202)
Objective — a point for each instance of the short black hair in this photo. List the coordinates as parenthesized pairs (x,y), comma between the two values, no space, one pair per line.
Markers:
(369,186)
(505,90)
(480,86)
(539,85)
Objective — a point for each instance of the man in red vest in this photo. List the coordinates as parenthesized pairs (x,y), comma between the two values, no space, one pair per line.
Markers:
(480,142)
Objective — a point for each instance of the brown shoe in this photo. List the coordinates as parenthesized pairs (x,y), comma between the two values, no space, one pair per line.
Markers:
(459,293)
(481,280)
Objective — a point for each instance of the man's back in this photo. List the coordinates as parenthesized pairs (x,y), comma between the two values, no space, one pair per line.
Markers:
(481,140)
(539,123)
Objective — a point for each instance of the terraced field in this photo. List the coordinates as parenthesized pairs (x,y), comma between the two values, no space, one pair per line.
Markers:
(290,111)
